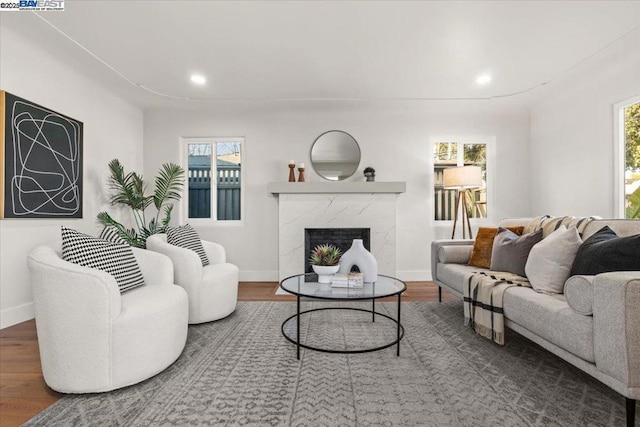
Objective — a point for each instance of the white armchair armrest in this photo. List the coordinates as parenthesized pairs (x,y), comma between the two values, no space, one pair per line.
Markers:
(215,252)
(156,268)
(187,266)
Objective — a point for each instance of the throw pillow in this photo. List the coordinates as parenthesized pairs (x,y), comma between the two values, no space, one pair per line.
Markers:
(578,290)
(483,245)
(510,251)
(110,234)
(549,263)
(117,260)
(604,251)
(186,237)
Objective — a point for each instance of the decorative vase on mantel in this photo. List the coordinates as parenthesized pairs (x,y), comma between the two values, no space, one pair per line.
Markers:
(325,272)
(359,256)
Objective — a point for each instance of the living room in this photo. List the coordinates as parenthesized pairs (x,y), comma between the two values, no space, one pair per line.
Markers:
(294,70)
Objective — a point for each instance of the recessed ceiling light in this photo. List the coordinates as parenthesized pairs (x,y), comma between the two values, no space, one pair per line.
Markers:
(483,79)
(198,79)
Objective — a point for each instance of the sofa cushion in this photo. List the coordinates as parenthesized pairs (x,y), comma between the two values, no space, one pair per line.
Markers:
(578,290)
(483,245)
(549,263)
(510,251)
(550,317)
(454,254)
(117,260)
(604,251)
(456,275)
(186,237)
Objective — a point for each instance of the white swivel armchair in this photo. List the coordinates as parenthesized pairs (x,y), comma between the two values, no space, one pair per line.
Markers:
(94,339)
(213,289)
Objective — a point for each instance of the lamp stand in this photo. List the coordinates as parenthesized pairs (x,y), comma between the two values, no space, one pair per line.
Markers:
(462,200)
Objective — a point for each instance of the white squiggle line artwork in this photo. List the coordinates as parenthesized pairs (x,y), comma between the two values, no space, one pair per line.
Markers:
(46,162)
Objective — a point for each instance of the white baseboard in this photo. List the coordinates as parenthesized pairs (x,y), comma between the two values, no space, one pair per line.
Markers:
(414,275)
(14,315)
(258,276)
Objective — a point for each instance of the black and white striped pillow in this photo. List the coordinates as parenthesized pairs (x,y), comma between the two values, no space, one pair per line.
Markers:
(110,234)
(115,259)
(186,237)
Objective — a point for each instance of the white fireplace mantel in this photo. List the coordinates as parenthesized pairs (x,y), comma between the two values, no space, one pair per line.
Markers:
(327,187)
(304,205)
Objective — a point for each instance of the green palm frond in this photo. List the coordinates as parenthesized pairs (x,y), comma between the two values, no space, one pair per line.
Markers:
(169,184)
(128,235)
(167,218)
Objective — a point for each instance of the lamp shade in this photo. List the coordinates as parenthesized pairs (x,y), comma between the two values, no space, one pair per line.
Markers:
(462,177)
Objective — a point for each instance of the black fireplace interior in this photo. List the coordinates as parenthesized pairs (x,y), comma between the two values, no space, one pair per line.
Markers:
(340,237)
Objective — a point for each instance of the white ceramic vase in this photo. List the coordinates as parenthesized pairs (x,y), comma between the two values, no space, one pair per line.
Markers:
(325,272)
(358,255)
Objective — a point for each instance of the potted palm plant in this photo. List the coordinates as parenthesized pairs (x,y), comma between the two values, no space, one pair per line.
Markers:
(325,261)
(128,189)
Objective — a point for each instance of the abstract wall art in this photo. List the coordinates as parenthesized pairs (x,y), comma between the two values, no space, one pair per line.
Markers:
(40,161)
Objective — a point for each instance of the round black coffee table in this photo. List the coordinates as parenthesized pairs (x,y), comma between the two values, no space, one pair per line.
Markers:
(305,286)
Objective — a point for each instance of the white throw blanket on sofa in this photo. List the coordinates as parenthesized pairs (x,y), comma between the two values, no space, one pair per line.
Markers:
(483,296)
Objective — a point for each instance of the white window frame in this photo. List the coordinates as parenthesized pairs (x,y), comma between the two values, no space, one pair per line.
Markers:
(184,205)
(490,142)
(619,157)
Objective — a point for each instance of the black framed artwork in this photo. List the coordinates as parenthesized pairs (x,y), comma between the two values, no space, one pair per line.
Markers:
(41,161)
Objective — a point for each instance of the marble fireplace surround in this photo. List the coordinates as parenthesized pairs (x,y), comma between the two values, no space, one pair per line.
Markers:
(336,205)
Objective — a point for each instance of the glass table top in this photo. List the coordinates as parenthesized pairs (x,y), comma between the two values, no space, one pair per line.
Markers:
(304,285)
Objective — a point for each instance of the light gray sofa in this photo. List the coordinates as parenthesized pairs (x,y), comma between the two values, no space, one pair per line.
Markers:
(604,344)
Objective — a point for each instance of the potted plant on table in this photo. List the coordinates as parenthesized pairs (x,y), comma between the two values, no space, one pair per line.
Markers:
(325,261)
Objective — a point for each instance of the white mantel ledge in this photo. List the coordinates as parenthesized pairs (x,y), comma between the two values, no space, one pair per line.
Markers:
(336,187)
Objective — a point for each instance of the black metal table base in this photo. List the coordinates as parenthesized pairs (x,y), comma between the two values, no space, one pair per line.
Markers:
(296,340)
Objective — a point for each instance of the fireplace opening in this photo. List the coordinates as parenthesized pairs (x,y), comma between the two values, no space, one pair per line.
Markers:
(340,237)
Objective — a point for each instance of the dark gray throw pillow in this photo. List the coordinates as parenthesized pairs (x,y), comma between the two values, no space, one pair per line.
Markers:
(510,251)
(604,251)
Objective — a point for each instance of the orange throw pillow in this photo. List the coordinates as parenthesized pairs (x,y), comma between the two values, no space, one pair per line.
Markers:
(481,252)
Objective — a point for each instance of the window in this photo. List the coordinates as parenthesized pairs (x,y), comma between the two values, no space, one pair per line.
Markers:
(629,159)
(459,153)
(214,187)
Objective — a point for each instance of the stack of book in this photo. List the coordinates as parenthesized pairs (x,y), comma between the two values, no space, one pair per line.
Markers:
(351,280)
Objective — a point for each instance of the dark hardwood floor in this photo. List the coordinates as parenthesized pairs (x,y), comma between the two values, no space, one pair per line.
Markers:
(23,392)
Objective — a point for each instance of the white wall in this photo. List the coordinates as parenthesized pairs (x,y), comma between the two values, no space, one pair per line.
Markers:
(112,128)
(394,139)
(572,133)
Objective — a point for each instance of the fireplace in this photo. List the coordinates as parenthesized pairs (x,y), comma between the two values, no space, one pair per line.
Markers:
(336,205)
(340,237)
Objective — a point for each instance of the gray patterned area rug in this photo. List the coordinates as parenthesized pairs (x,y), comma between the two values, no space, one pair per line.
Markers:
(241,371)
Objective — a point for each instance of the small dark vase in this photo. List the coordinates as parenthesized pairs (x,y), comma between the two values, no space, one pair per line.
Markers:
(369,173)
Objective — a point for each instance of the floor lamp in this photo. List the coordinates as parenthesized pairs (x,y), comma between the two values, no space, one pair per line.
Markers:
(462,178)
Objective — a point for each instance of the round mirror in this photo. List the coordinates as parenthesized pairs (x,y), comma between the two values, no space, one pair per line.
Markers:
(335,155)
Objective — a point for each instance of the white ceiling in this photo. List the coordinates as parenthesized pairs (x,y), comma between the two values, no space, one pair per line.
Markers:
(325,49)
